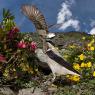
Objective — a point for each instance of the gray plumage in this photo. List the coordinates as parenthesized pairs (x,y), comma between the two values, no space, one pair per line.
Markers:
(51,56)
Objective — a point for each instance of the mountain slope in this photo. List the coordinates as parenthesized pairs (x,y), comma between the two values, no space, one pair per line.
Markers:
(63,38)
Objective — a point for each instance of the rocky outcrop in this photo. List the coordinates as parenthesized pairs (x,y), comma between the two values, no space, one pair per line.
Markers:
(37,91)
(30,91)
(6,91)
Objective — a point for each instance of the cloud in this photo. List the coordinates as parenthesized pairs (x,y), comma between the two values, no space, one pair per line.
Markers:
(92,31)
(92,24)
(65,16)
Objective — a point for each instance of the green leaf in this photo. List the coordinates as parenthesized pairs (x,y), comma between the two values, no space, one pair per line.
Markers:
(12,17)
(7,14)
(3,12)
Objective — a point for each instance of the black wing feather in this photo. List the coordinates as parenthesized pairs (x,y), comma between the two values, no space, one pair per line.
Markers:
(61,61)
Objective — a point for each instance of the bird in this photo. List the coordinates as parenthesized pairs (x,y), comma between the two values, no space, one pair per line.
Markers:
(55,61)
(50,55)
(36,16)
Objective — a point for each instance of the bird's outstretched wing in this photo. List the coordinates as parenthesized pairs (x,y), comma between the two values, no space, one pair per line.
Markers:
(35,16)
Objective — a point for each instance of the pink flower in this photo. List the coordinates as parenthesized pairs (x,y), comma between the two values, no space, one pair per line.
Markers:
(21,44)
(2,58)
(33,46)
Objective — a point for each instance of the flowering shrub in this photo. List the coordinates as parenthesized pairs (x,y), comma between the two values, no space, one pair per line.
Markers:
(82,58)
(15,50)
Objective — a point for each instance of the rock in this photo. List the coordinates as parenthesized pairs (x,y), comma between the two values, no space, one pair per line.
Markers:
(29,91)
(51,90)
(6,91)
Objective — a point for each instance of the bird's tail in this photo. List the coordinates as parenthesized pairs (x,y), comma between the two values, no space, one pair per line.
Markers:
(73,73)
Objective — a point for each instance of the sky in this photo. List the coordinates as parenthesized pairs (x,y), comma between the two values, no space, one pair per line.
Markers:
(69,15)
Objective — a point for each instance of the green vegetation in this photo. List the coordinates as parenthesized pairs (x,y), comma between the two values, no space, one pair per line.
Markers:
(19,65)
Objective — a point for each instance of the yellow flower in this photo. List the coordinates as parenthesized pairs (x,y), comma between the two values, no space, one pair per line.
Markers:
(81,57)
(92,48)
(89,44)
(83,38)
(89,64)
(24,67)
(72,46)
(73,78)
(82,64)
(67,76)
(65,56)
(76,66)
(92,41)
(94,74)
(76,78)
(6,73)
(85,65)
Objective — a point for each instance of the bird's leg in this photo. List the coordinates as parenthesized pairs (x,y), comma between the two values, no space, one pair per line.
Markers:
(54,77)
(50,81)
(44,44)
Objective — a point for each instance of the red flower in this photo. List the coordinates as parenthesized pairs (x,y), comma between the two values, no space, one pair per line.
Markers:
(2,58)
(10,35)
(21,44)
(33,46)
(13,32)
(15,29)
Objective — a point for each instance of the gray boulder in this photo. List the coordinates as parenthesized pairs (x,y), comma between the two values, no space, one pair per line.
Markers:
(6,91)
